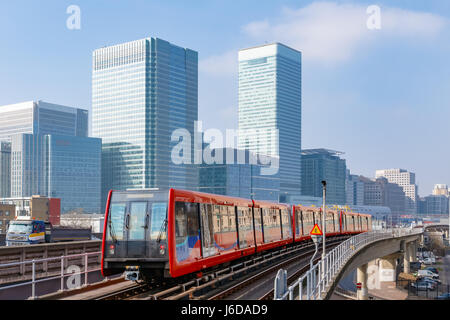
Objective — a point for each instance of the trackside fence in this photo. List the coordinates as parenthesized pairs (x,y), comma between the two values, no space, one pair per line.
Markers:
(76,271)
(313,283)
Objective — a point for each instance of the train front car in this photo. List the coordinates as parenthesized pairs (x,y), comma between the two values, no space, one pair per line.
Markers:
(135,234)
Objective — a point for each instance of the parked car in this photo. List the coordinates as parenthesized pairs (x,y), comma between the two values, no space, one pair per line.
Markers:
(445,296)
(432,269)
(423,285)
(430,280)
(427,273)
(427,261)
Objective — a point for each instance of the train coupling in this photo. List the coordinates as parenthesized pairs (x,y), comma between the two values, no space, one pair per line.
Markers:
(132,273)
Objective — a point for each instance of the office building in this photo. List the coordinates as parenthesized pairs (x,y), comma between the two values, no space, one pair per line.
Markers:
(270,107)
(142,91)
(441,190)
(242,180)
(324,165)
(7,213)
(354,190)
(436,204)
(51,154)
(35,207)
(39,118)
(57,166)
(405,179)
(381,192)
(5,169)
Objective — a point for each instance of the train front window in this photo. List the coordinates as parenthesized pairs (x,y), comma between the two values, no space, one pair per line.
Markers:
(137,222)
(158,223)
(116,221)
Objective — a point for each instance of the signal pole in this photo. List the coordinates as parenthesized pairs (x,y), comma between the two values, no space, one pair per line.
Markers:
(324,184)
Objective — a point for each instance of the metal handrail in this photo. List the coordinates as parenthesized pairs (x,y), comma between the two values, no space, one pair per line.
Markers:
(317,279)
(61,276)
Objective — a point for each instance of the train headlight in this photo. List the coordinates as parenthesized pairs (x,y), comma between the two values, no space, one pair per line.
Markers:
(162,250)
(112,249)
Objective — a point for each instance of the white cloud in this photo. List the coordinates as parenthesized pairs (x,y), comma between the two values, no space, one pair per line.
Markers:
(225,64)
(331,32)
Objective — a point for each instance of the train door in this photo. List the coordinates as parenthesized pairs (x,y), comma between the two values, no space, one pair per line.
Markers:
(136,224)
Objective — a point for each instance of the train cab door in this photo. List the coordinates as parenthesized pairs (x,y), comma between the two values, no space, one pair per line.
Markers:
(136,225)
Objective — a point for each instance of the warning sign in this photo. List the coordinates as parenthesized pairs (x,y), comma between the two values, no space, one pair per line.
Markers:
(316,231)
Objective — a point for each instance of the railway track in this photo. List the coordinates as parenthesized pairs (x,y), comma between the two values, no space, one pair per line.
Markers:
(215,285)
(304,258)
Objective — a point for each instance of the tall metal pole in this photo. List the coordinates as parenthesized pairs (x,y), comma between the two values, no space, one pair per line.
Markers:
(324,183)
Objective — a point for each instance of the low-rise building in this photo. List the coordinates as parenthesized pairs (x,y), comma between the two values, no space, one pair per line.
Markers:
(7,213)
(36,207)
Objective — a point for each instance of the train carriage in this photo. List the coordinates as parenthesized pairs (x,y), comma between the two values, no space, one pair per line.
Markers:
(173,233)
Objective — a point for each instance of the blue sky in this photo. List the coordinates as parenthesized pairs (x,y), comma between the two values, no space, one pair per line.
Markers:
(381,96)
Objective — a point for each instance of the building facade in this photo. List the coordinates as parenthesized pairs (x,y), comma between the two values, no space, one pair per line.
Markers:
(324,165)
(238,180)
(35,207)
(270,107)
(7,213)
(405,179)
(381,192)
(141,92)
(354,190)
(5,169)
(441,190)
(39,118)
(436,204)
(51,154)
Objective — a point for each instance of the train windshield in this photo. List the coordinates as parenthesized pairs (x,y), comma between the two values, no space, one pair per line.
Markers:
(137,217)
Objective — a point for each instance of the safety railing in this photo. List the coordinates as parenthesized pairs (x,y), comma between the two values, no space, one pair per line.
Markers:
(70,271)
(313,283)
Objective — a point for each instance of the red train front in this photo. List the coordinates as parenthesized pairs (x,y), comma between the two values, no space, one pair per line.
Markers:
(168,234)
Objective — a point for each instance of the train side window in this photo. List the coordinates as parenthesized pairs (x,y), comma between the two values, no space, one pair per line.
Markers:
(116,221)
(209,248)
(193,229)
(258,225)
(180,223)
(244,227)
(286,224)
(225,221)
(231,219)
(216,219)
(267,224)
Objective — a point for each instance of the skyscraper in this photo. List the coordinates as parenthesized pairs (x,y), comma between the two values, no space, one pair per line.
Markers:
(5,169)
(39,117)
(319,165)
(142,91)
(270,101)
(406,180)
(51,154)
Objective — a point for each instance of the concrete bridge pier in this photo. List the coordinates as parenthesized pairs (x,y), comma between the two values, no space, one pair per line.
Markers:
(387,267)
(406,256)
(361,277)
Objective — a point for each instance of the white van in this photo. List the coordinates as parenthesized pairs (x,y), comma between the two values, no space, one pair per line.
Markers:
(427,273)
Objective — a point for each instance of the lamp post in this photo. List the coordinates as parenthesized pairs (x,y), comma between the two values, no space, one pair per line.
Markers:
(324,184)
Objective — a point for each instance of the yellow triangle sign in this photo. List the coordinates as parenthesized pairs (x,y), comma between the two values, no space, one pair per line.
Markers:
(316,231)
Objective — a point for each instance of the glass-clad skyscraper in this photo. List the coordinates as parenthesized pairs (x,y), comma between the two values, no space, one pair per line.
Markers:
(39,117)
(270,106)
(51,154)
(142,91)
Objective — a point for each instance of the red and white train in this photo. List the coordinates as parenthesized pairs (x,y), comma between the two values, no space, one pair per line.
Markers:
(175,233)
